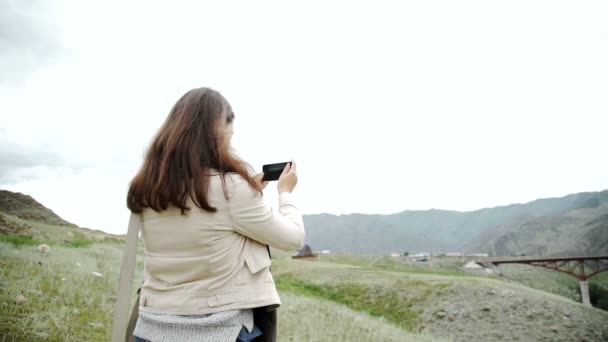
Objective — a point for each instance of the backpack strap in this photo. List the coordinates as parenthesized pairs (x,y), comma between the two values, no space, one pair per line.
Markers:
(120,320)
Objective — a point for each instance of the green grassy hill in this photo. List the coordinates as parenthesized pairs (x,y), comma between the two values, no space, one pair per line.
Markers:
(26,208)
(24,220)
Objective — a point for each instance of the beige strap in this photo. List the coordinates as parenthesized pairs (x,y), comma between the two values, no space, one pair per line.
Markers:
(120,320)
(133,319)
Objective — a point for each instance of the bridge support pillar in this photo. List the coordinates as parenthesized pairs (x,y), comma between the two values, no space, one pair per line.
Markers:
(585,293)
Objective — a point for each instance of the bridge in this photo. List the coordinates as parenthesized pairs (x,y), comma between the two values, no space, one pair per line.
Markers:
(582,267)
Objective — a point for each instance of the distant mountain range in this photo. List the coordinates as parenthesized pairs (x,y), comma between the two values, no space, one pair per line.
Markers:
(574,224)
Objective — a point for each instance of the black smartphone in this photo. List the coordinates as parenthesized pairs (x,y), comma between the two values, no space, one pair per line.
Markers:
(272,172)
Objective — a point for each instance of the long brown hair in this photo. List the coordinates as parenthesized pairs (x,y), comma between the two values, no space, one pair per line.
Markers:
(190,142)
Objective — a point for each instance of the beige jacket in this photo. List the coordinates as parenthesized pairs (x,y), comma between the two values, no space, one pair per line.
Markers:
(204,262)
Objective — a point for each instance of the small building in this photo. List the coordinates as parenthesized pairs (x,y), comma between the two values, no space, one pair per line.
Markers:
(478,255)
(395,255)
(473,265)
(454,254)
(420,257)
(325,251)
(305,254)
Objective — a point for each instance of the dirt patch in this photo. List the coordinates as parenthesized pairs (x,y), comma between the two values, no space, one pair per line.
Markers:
(481,312)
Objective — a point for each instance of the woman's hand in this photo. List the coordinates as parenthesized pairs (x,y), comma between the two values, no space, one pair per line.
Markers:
(289,178)
(259,178)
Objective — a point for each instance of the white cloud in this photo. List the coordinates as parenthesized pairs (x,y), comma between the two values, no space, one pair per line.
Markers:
(24,41)
(385,105)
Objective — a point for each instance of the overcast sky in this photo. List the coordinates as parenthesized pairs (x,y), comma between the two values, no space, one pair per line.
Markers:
(385,105)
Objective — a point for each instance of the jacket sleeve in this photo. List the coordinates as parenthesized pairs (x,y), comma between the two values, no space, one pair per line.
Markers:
(253,218)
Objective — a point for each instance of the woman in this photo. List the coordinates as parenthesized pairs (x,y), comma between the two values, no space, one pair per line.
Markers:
(206,230)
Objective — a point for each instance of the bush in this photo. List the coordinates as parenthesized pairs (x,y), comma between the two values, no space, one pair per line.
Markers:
(598,296)
(78,243)
(19,241)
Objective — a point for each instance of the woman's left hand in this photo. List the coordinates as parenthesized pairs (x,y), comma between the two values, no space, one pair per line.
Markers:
(259,178)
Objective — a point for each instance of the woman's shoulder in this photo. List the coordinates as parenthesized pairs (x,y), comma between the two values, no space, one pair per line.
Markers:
(229,177)
(233,182)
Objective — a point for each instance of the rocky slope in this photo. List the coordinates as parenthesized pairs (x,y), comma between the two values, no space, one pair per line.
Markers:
(571,224)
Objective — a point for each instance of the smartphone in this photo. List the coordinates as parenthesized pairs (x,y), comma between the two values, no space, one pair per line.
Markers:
(272,172)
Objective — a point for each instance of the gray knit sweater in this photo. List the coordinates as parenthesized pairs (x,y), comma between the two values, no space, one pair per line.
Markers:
(216,327)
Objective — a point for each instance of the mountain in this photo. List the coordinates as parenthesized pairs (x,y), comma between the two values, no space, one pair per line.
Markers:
(27,208)
(570,224)
(597,236)
(24,216)
(581,229)
(576,224)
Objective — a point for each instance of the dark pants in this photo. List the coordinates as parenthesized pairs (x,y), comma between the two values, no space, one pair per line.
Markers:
(265,318)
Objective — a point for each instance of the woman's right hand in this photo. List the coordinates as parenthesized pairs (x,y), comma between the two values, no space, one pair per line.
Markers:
(288,179)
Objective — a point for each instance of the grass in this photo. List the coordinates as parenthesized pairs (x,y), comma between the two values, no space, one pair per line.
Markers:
(321,300)
(387,292)
(78,243)
(50,234)
(376,300)
(66,302)
(305,318)
(437,265)
(18,241)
